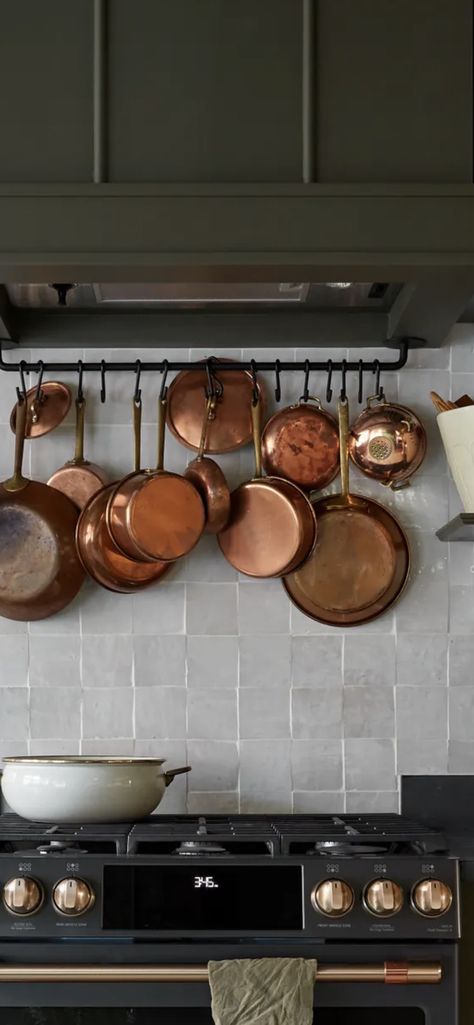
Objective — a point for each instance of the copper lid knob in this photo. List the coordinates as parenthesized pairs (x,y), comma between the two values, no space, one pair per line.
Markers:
(383,897)
(432,898)
(333,897)
(22,896)
(73,896)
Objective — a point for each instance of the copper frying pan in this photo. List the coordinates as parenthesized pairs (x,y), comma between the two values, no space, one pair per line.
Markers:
(79,479)
(361,561)
(209,480)
(301,443)
(100,556)
(40,572)
(155,514)
(272,526)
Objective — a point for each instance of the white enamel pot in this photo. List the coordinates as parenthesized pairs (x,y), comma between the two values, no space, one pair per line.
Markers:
(82,789)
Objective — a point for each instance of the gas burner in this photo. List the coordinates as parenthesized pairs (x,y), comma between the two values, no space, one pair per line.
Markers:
(59,847)
(339,849)
(200,848)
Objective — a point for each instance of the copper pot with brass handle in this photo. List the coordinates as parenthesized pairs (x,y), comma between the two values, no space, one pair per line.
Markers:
(387,442)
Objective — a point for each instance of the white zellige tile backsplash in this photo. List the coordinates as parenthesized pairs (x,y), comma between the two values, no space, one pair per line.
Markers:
(273,711)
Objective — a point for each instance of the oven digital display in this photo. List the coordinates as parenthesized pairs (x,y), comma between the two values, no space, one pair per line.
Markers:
(189,897)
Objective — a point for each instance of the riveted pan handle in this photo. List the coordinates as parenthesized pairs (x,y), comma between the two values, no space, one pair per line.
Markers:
(343,411)
(18,481)
(256,410)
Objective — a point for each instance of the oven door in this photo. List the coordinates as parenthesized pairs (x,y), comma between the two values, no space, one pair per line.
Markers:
(142,985)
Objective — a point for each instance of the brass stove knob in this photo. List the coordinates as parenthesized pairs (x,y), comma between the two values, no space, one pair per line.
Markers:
(432,898)
(72,896)
(22,896)
(383,897)
(333,897)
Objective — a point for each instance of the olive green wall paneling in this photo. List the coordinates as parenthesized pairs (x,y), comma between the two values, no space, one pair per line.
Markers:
(394,90)
(46,91)
(206,91)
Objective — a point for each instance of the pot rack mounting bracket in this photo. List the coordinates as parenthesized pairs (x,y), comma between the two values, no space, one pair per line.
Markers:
(104,367)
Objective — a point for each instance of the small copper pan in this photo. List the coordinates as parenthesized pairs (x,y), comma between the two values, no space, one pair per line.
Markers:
(360,564)
(301,443)
(79,479)
(209,480)
(154,514)
(387,442)
(272,527)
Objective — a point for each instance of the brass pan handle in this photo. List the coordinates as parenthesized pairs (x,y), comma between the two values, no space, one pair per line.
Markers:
(388,972)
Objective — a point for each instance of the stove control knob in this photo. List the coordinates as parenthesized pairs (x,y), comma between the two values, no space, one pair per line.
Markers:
(432,898)
(333,897)
(73,896)
(383,897)
(22,896)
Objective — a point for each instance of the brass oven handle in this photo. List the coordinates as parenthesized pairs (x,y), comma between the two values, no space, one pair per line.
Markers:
(391,972)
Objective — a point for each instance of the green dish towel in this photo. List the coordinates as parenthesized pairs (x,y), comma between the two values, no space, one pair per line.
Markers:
(262,991)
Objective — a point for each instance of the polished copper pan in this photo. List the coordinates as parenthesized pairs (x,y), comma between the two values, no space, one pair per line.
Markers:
(40,572)
(208,478)
(46,410)
(155,514)
(301,443)
(361,561)
(231,427)
(272,526)
(387,442)
(79,479)
(101,558)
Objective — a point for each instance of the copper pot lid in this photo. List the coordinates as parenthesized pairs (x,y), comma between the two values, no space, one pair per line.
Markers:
(301,443)
(231,427)
(387,442)
(46,412)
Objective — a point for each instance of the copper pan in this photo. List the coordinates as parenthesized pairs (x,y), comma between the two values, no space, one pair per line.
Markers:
(39,569)
(272,526)
(79,479)
(387,442)
(360,564)
(156,514)
(231,426)
(301,443)
(209,480)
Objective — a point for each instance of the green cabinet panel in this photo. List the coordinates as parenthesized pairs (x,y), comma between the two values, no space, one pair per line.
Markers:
(204,91)
(394,91)
(46,56)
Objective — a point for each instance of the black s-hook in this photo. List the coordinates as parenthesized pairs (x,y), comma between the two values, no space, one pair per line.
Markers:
(277,381)
(255,391)
(103,393)
(328,386)
(137,395)
(80,371)
(164,389)
(360,390)
(343,380)
(21,391)
(307,370)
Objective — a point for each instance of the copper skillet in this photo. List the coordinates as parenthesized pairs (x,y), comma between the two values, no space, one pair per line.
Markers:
(209,480)
(39,569)
(272,526)
(78,478)
(100,557)
(156,514)
(301,443)
(361,561)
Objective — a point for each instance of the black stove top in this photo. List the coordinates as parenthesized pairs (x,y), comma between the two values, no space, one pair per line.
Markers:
(217,835)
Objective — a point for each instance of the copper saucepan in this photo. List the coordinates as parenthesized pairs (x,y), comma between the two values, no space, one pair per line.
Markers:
(40,572)
(387,442)
(155,514)
(301,444)
(272,526)
(209,480)
(360,564)
(78,478)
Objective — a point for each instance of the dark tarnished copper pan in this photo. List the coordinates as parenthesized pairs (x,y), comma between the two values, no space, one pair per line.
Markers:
(361,560)
(47,412)
(101,558)
(301,443)
(272,527)
(209,480)
(156,514)
(231,427)
(40,572)
(387,442)
(78,478)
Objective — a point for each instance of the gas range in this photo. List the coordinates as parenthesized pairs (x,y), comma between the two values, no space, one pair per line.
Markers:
(322,878)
